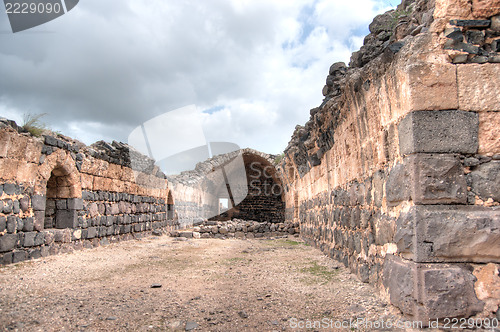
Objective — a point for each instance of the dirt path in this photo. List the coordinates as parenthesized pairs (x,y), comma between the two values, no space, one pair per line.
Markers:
(210,285)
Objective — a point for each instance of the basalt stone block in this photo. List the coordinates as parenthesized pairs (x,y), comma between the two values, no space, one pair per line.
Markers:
(485,180)
(24,203)
(91,232)
(61,204)
(75,203)
(397,188)
(34,253)
(38,202)
(8,242)
(3,223)
(449,234)
(471,23)
(437,179)
(439,132)
(364,273)
(51,141)
(48,237)
(62,235)
(16,207)
(384,230)
(20,224)
(11,224)
(20,240)
(355,218)
(7,258)
(430,291)
(39,220)
(39,239)
(10,188)
(102,231)
(8,206)
(66,219)
(29,239)
(19,256)
(126,229)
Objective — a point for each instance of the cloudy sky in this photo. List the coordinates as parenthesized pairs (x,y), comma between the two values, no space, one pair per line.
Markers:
(252,68)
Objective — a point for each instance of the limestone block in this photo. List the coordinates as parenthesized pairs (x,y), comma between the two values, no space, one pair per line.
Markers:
(127,174)
(479,97)
(5,139)
(488,285)
(489,133)
(88,166)
(430,291)
(113,171)
(452,9)
(439,132)
(101,183)
(63,192)
(8,169)
(432,87)
(485,8)
(17,147)
(26,172)
(449,234)
(33,150)
(87,181)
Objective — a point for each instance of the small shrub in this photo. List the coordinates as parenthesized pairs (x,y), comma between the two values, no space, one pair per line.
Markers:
(278,158)
(33,124)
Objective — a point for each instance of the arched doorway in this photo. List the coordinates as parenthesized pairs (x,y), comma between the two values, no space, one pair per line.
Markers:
(170,206)
(60,208)
(264,201)
(58,182)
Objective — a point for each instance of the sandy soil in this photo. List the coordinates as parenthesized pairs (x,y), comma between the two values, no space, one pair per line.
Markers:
(207,285)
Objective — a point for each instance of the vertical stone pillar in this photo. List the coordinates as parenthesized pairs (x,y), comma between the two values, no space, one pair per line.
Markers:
(442,230)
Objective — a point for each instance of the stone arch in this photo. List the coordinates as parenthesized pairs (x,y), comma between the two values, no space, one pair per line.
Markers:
(60,184)
(265,199)
(63,165)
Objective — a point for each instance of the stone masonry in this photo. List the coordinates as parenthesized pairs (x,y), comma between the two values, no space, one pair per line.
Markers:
(397,172)
(58,195)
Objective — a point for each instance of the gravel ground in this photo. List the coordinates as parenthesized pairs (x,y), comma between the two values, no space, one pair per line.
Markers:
(162,284)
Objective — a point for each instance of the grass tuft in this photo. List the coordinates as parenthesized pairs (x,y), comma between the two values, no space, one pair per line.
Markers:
(33,124)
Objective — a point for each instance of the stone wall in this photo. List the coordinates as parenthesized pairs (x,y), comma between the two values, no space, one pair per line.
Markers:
(58,195)
(246,178)
(396,174)
(239,229)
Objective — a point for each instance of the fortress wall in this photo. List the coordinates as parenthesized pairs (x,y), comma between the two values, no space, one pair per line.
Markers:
(253,185)
(57,195)
(397,172)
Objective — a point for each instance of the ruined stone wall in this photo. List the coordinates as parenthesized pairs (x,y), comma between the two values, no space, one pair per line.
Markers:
(397,172)
(263,201)
(247,174)
(57,194)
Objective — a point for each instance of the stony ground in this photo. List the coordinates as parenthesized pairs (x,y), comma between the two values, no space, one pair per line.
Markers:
(206,284)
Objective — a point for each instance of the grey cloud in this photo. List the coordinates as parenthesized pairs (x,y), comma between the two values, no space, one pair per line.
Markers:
(119,63)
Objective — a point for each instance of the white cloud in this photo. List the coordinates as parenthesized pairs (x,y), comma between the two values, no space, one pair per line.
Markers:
(111,65)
